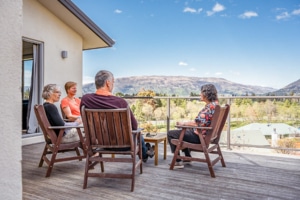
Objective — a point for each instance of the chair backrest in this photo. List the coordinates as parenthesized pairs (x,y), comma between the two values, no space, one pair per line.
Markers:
(218,122)
(49,134)
(107,128)
(62,112)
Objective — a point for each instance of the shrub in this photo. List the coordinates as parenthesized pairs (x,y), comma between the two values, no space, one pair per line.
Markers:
(286,143)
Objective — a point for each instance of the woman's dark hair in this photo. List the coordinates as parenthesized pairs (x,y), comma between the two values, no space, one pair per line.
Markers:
(210,92)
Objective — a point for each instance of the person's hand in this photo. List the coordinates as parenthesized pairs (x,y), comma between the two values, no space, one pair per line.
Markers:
(78,120)
(179,123)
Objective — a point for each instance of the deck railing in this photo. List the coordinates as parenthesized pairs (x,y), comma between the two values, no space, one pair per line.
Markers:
(276,109)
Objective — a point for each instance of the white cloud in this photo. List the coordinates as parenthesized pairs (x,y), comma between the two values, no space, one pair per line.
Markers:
(296,12)
(283,15)
(218,73)
(118,11)
(209,13)
(217,8)
(188,9)
(248,15)
(88,79)
(182,64)
(192,10)
(192,69)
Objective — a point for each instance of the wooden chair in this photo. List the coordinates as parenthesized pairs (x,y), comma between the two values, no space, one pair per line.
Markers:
(209,143)
(54,146)
(109,131)
(63,113)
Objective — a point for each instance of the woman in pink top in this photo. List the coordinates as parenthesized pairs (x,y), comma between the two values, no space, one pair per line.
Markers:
(70,104)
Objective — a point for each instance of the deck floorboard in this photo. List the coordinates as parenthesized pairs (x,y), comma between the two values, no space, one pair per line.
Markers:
(246,176)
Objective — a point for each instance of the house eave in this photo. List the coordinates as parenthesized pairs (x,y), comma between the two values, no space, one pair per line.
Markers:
(93,37)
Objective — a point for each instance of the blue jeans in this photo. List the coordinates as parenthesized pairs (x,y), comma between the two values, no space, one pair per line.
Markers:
(144,148)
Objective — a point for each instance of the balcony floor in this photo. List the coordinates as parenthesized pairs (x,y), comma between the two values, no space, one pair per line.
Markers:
(247,176)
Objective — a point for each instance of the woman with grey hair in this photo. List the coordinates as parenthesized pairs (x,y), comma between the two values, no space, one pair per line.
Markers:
(51,94)
(209,95)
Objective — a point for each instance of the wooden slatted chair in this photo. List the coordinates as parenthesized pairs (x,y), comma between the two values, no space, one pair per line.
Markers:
(109,131)
(63,113)
(209,143)
(53,145)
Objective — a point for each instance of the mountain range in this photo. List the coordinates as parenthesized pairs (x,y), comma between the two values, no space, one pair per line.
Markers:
(184,86)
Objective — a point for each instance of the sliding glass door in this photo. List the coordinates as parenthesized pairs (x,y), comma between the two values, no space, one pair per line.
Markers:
(32,81)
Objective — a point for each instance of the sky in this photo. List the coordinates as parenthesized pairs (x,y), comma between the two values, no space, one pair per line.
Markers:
(251,42)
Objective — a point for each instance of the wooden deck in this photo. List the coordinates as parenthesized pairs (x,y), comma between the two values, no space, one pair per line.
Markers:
(247,176)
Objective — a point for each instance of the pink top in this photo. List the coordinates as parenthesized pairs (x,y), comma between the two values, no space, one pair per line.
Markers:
(74,106)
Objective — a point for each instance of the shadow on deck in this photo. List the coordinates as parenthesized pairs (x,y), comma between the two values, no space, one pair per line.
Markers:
(247,176)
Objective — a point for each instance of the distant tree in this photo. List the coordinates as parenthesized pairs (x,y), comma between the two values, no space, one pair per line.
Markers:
(119,94)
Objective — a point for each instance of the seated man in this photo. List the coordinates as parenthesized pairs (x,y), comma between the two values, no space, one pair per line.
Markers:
(104,99)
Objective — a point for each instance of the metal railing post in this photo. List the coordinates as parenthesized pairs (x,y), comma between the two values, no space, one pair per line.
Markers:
(168,114)
(228,126)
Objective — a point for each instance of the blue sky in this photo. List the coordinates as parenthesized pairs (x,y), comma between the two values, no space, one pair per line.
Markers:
(253,42)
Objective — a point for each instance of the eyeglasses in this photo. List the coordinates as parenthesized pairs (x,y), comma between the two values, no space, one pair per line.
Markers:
(59,92)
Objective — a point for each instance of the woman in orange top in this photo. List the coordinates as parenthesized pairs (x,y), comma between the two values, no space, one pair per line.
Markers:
(70,104)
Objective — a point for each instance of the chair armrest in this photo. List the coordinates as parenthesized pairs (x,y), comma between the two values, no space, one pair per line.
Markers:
(64,127)
(137,131)
(197,127)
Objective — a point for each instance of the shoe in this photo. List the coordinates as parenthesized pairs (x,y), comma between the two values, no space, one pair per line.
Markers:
(145,159)
(150,150)
(178,165)
(150,153)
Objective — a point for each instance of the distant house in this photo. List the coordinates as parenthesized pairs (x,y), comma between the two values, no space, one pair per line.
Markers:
(271,128)
(247,137)
(54,35)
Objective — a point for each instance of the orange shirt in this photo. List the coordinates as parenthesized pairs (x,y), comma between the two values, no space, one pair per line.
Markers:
(74,106)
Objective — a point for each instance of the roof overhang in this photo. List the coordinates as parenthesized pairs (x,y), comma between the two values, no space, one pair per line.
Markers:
(70,14)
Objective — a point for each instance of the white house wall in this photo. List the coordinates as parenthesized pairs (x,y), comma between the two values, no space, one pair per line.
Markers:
(40,24)
(10,99)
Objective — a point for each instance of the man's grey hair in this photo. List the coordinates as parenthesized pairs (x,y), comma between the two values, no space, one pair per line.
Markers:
(101,77)
(49,89)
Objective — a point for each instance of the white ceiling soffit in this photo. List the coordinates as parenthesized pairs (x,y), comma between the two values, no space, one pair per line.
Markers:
(69,13)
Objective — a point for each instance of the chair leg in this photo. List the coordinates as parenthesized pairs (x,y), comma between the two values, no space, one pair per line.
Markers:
(52,161)
(210,167)
(101,164)
(44,154)
(86,171)
(133,173)
(78,153)
(174,157)
(140,156)
(221,155)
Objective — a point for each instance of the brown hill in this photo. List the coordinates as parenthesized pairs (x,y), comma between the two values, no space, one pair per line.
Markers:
(179,85)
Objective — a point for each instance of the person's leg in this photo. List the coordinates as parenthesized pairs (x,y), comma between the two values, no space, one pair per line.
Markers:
(190,137)
(173,134)
(144,149)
